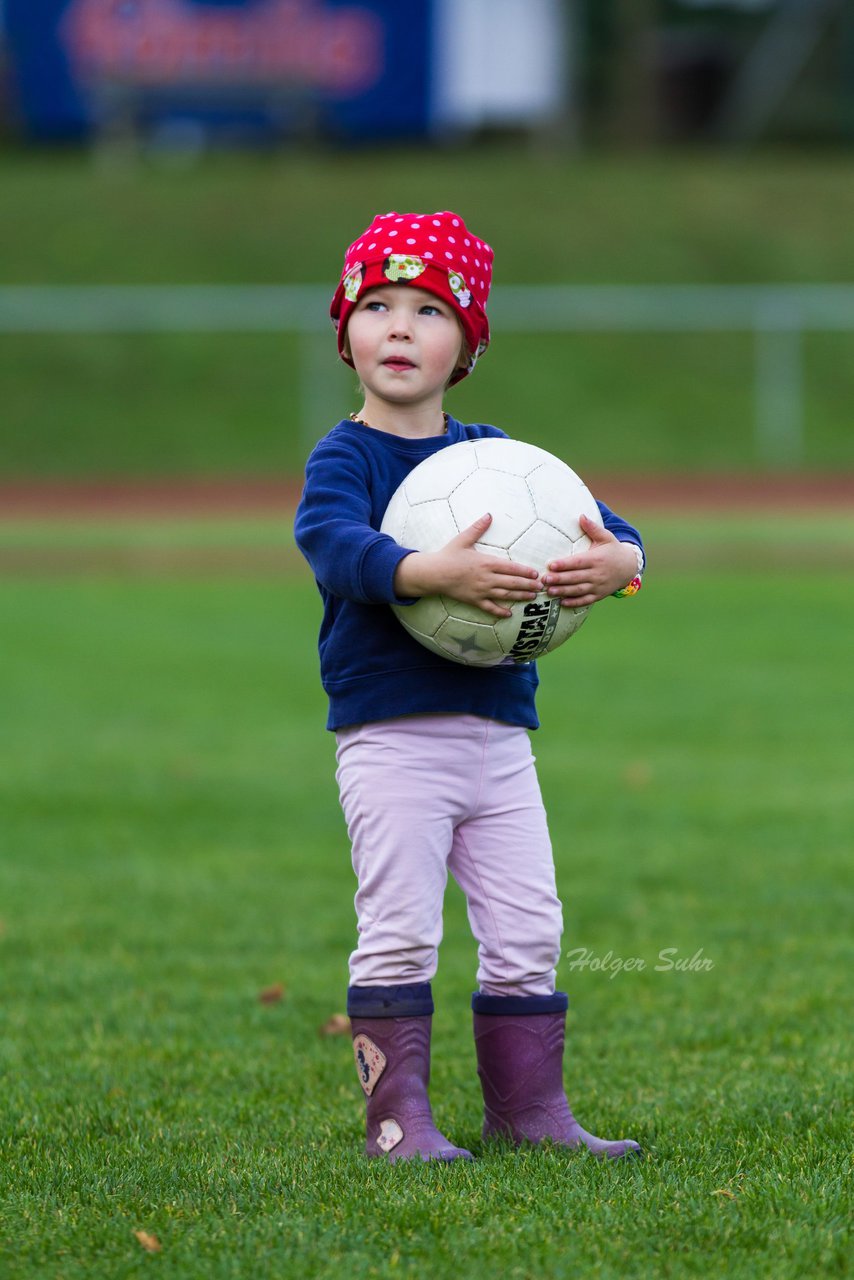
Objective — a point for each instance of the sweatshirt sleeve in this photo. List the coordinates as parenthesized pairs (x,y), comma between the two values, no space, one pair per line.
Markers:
(348,557)
(621,529)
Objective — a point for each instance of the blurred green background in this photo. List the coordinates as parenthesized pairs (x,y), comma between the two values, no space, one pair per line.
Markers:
(148,404)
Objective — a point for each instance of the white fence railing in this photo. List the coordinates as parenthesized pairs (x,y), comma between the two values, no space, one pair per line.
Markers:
(777,316)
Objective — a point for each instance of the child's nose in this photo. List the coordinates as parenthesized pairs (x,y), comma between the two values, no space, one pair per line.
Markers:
(401,325)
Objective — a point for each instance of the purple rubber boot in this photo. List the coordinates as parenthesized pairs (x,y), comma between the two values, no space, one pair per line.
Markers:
(391,1043)
(519,1042)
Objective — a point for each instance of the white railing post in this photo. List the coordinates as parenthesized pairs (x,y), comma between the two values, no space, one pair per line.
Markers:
(325,391)
(779,387)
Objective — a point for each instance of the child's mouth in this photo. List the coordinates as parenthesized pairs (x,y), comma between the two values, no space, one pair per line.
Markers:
(398,363)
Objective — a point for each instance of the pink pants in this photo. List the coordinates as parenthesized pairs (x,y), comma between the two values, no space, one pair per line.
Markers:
(424,795)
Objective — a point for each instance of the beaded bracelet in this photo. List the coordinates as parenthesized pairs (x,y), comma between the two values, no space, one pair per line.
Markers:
(630,589)
(633,587)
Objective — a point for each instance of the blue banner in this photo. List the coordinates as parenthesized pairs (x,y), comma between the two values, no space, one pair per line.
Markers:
(347,69)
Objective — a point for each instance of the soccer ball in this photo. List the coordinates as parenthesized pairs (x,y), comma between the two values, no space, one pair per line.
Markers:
(535,501)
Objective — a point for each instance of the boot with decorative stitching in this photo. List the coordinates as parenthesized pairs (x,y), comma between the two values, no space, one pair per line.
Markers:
(520,1043)
(391,1043)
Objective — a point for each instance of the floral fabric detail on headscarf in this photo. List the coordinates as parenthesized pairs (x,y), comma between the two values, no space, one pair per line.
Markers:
(459,288)
(353,283)
(400,266)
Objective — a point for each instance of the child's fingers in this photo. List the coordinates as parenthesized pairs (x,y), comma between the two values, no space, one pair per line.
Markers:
(570,564)
(520,593)
(556,583)
(475,531)
(572,590)
(496,598)
(505,578)
(495,609)
(498,593)
(596,532)
(467,539)
(508,582)
(510,568)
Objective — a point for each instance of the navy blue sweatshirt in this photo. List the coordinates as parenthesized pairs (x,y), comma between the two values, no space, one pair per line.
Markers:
(371,668)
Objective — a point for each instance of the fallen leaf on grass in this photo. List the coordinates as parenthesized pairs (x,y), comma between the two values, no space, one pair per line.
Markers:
(272,995)
(723,1191)
(337,1025)
(638,773)
(149,1242)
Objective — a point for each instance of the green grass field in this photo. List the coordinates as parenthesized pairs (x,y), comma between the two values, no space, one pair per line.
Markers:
(203,404)
(172,845)
(170,839)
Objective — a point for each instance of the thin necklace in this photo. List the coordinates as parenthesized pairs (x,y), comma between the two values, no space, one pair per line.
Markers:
(361,421)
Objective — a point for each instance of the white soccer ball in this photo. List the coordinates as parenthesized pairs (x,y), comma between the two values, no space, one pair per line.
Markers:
(535,501)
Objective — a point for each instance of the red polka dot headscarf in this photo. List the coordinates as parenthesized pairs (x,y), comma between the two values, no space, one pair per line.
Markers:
(433,251)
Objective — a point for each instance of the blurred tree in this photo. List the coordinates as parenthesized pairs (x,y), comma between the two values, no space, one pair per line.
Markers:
(592,25)
(846,51)
(633,110)
(617,93)
(777,65)
(742,71)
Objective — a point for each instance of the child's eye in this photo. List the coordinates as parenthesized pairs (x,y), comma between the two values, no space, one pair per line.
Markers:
(374,306)
(428,310)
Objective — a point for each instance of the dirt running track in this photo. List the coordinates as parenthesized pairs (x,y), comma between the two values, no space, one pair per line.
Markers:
(114,498)
(114,501)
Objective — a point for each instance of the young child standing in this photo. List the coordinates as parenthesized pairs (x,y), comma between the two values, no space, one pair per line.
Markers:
(435,768)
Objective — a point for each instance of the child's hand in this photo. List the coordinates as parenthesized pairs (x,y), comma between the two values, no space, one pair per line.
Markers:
(591,575)
(464,574)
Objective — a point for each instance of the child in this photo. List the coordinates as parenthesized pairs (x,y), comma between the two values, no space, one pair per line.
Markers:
(434,762)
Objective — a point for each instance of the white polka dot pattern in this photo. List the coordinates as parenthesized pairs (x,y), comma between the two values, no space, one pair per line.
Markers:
(442,232)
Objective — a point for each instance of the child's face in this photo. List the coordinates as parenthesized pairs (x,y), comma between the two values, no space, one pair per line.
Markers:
(405,343)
